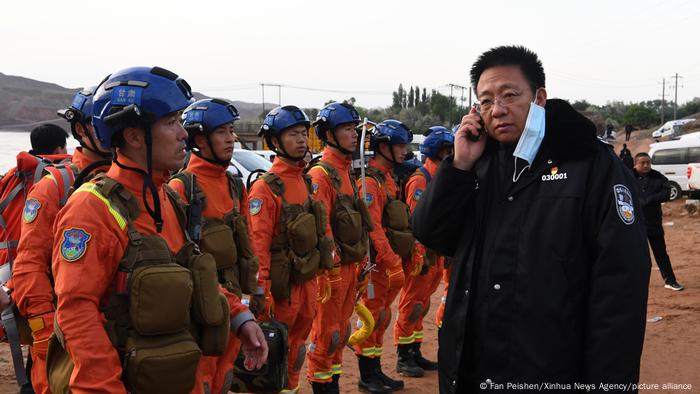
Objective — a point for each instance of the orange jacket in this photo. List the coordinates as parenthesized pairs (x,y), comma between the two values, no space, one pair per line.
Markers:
(376,199)
(415,187)
(265,209)
(212,180)
(31,272)
(83,280)
(322,185)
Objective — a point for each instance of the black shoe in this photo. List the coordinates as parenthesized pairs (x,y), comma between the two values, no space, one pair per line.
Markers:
(369,380)
(673,285)
(387,381)
(320,388)
(405,364)
(422,362)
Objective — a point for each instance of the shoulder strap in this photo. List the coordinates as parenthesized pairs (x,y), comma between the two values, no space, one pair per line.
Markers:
(179,205)
(117,195)
(331,172)
(236,187)
(425,172)
(274,183)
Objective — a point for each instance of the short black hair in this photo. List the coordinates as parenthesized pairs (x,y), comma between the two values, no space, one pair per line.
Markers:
(640,154)
(512,55)
(46,138)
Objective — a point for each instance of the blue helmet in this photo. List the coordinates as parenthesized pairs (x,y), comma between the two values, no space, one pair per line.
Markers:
(392,132)
(137,96)
(437,137)
(207,115)
(281,118)
(334,115)
(80,109)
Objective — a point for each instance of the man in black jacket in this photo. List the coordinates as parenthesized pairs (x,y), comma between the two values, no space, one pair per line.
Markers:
(655,189)
(551,266)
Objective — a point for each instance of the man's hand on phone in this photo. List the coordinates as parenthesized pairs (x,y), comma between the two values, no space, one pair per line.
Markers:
(467,152)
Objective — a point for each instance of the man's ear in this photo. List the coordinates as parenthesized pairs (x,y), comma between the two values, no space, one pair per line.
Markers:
(541,97)
(134,137)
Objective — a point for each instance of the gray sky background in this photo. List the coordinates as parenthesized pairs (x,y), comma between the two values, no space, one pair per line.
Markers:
(595,50)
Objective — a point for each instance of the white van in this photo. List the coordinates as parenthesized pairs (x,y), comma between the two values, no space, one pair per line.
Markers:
(671,158)
(670,128)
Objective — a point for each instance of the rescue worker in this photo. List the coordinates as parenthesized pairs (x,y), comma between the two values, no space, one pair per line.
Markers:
(151,295)
(32,269)
(48,139)
(334,186)
(424,271)
(551,267)
(217,209)
(391,244)
(288,233)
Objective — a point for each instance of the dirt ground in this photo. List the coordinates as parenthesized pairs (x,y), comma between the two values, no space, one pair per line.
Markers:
(672,345)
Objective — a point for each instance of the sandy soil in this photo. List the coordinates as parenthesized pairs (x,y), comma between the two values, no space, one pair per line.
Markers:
(671,349)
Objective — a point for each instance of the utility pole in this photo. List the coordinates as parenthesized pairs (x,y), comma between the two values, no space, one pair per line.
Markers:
(675,99)
(452,86)
(263,96)
(279,93)
(663,99)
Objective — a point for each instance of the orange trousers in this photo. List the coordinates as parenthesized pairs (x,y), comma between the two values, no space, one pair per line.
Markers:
(380,307)
(440,312)
(331,327)
(298,313)
(414,303)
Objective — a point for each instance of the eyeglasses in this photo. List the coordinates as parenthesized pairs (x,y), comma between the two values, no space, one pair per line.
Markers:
(504,100)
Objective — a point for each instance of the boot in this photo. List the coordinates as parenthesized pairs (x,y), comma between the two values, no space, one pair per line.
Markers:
(387,381)
(405,364)
(320,388)
(369,380)
(334,387)
(422,362)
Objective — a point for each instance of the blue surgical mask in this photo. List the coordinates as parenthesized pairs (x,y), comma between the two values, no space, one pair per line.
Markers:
(531,138)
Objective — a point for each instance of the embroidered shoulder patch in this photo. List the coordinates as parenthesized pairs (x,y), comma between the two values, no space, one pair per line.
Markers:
(314,188)
(31,209)
(623,203)
(369,198)
(255,206)
(417,194)
(74,244)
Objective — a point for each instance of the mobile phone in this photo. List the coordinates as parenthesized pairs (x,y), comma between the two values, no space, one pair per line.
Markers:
(482,127)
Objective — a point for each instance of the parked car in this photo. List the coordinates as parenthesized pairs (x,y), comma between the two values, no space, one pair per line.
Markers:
(671,158)
(670,128)
(245,162)
(266,154)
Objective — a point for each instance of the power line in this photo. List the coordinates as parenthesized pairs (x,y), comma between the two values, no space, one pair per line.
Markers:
(675,99)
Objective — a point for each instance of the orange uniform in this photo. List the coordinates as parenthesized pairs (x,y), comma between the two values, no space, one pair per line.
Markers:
(213,181)
(331,326)
(84,281)
(414,300)
(33,292)
(387,278)
(440,312)
(299,310)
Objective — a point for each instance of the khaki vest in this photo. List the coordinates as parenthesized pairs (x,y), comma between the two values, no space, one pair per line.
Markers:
(301,248)
(226,239)
(163,313)
(349,218)
(395,219)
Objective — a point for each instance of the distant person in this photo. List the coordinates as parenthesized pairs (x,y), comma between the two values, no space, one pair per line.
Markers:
(551,270)
(48,139)
(628,131)
(609,129)
(654,189)
(626,157)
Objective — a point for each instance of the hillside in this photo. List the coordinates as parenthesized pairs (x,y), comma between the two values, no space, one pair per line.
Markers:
(25,102)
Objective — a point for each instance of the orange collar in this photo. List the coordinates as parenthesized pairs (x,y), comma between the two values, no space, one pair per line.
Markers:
(199,166)
(336,159)
(431,166)
(375,163)
(282,168)
(133,180)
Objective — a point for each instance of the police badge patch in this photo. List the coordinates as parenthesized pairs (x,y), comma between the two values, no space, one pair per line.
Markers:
(623,203)
(31,209)
(417,194)
(369,198)
(74,244)
(255,205)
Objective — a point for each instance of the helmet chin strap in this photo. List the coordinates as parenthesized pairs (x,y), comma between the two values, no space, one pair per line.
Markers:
(283,152)
(337,146)
(393,158)
(216,160)
(104,155)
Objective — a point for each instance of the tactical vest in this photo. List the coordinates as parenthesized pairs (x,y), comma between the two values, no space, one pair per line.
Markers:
(301,248)
(226,239)
(350,219)
(395,219)
(164,311)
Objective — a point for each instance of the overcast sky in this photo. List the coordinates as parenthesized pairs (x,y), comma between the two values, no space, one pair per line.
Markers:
(595,50)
